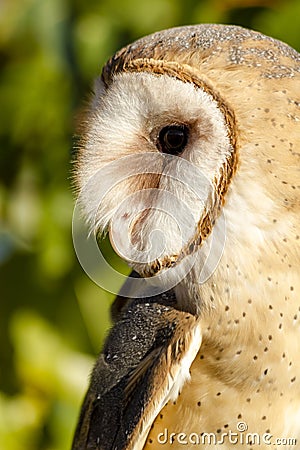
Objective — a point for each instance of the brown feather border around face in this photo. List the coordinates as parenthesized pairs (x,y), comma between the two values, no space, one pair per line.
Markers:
(186,74)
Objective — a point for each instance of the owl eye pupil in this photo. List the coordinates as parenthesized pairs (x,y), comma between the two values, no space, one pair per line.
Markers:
(173,139)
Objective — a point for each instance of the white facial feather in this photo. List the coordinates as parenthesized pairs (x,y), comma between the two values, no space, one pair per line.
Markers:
(136,105)
(125,120)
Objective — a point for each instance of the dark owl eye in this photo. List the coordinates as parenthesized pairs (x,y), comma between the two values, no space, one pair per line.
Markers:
(173,139)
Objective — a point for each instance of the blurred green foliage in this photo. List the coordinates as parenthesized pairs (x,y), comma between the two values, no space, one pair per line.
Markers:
(52,317)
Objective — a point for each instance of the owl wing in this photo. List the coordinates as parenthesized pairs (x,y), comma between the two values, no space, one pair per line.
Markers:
(144,363)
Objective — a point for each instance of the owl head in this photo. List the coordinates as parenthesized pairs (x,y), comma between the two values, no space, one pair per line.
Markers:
(184,126)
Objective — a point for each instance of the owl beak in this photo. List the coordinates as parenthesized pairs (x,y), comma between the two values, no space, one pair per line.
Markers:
(153,241)
(155,228)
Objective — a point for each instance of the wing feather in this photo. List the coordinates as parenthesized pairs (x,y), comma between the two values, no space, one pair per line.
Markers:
(144,363)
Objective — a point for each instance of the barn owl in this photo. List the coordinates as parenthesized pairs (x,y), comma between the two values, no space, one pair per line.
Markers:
(192,137)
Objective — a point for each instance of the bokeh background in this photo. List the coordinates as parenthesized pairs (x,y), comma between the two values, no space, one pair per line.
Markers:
(52,316)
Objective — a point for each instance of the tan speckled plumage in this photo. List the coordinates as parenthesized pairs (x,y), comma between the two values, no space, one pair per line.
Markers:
(248,366)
